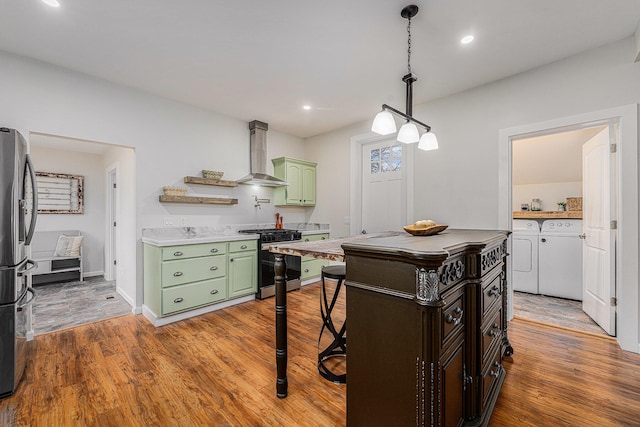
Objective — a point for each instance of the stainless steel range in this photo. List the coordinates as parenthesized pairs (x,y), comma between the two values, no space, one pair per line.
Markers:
(266,260)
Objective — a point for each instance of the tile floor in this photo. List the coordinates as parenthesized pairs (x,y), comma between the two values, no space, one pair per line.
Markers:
(65,304)
(555,311)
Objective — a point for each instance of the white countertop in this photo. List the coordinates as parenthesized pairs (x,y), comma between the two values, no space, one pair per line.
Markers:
(172,236)
(192,235)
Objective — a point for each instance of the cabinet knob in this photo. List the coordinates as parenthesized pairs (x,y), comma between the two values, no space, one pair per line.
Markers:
(214,268)
(494,291)
(323,238)
(178,253)
(177,300)
(496,373)
(214,250)
(243,247)
(177,274)
(306,270)
(213,291)
(455,319)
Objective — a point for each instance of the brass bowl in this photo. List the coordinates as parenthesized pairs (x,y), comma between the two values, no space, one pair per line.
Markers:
(428,231)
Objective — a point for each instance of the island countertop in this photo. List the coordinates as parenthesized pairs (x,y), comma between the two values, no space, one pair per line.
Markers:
(329,249)
(389,242)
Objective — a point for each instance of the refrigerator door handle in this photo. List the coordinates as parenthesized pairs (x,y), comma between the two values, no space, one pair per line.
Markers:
(31,300)
(34,193)
(31,266)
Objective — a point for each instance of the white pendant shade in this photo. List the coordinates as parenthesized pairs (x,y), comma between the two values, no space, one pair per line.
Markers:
(408,133)
(384,123)
(428,142)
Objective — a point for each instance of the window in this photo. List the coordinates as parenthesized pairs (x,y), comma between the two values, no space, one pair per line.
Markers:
(386,159)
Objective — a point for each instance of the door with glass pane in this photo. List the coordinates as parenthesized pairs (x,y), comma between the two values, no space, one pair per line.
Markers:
(383,186)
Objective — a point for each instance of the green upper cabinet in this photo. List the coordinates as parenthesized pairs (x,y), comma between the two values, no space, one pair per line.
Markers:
(301,176)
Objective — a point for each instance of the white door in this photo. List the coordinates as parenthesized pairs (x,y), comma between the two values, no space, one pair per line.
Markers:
(598,248)
(384,192)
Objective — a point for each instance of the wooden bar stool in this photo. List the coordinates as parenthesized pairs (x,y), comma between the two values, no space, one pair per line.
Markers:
(338,345)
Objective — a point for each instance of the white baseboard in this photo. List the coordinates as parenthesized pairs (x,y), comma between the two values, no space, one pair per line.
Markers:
(161,321)
(93,274)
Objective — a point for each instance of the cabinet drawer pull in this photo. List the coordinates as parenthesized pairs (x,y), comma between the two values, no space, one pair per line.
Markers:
(177,300)
(494,291)
(453,319)
(214,250)
(178,253)
(496,373)
(306,270)
(243,247)
(306,240)
(323,238)
(214,268)
(493,332)
(177,274)
(214,291)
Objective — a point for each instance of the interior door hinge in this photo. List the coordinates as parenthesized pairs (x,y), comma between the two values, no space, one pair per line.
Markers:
(613,148)
(614,224)
(614,302)
(114,223)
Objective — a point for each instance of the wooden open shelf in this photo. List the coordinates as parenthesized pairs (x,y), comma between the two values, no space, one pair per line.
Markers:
(207,181)
(547,214)
(198,200)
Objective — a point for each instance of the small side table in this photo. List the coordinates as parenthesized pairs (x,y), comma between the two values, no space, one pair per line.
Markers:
(338,346)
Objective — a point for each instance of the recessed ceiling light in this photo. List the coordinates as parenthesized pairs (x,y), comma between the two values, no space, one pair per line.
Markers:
(52,3)
(467,39)
(306,107)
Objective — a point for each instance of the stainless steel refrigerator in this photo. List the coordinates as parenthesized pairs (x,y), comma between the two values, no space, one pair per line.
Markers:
(17,223)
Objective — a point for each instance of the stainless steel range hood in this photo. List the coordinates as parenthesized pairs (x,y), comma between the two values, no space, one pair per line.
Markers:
(258,159)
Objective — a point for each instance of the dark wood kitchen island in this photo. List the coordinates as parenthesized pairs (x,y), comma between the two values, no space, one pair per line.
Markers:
(426,328)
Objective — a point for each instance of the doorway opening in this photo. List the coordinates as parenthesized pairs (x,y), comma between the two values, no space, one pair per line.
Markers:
(553,230)
(98,294)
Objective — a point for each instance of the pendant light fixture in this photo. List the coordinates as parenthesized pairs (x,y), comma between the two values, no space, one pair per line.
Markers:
(384,122)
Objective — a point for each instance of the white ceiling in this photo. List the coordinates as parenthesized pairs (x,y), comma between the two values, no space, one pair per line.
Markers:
(256,59)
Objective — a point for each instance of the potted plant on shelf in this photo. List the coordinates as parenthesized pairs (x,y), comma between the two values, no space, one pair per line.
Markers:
(562,206)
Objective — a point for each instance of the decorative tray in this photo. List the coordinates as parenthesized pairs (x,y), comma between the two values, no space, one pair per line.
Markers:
(429,231)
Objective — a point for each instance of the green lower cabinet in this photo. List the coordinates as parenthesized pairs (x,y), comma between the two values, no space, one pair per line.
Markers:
(312,267)
(185,297)
(243,274)
(184,277)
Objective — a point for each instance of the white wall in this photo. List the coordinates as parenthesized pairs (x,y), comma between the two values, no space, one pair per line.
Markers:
(459,183)
(91,222)
(171,140)
(548,193)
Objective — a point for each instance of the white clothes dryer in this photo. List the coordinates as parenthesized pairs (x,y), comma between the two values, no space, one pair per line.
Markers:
(524,250)
(561,258)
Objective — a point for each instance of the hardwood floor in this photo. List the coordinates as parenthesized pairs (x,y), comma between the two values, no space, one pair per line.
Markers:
(219,370)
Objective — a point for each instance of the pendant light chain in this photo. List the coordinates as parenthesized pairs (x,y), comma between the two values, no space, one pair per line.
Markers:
(409,46)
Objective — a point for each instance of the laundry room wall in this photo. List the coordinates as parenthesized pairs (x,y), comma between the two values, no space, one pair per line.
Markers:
(549,167)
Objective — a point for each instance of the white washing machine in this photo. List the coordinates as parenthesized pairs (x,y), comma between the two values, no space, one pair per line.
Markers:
(524,249)
(561,258)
